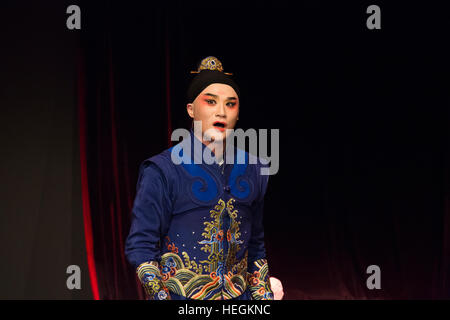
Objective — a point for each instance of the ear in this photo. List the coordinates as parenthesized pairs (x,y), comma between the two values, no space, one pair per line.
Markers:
(190,110)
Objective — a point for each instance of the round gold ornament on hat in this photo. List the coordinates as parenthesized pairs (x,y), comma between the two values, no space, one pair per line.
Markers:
(210,63)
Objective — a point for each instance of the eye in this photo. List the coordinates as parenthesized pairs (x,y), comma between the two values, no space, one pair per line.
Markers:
(210,101)
(231,104)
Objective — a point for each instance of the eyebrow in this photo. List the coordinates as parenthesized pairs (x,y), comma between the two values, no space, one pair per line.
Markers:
(216,96)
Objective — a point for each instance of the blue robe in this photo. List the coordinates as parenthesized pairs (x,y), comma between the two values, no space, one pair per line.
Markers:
(197,228)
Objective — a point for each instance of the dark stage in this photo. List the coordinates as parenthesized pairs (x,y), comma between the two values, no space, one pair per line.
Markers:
(364,138)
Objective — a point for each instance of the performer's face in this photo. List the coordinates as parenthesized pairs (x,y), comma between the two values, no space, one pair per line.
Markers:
(217,107)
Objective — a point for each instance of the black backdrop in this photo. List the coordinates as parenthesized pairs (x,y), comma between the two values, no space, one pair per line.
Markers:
(363,119)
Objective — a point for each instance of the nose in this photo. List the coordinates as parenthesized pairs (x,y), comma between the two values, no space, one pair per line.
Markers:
(221,110)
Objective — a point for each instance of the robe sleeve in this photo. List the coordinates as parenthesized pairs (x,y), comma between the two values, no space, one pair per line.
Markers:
(258,277)
(150,218)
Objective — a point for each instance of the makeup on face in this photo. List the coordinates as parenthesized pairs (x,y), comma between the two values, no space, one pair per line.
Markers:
(209,98)
(217,108)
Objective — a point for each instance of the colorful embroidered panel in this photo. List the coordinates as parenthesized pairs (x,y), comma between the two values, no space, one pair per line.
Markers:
(150,277)
(219,276)
(259,284)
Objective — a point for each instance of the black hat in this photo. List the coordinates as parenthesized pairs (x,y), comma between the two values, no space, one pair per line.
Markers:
(209,71)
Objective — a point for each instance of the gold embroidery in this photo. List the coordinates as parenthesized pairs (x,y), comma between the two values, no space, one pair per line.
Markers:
(191,265)
(200,280)
(150,277)
(259,283)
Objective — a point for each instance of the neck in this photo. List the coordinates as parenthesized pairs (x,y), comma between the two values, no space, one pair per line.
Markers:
(212,145)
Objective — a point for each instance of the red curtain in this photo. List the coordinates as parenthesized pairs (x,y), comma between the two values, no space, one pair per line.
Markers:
(108,177)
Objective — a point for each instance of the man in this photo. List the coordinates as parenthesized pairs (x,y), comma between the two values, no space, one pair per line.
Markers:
(197,229)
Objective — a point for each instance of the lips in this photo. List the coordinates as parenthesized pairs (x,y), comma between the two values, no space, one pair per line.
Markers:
(219,125)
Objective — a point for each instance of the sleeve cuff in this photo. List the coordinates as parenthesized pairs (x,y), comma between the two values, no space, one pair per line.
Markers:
(258,281)
(150,277)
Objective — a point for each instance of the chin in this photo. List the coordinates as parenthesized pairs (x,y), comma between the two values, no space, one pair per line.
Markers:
(213,134)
